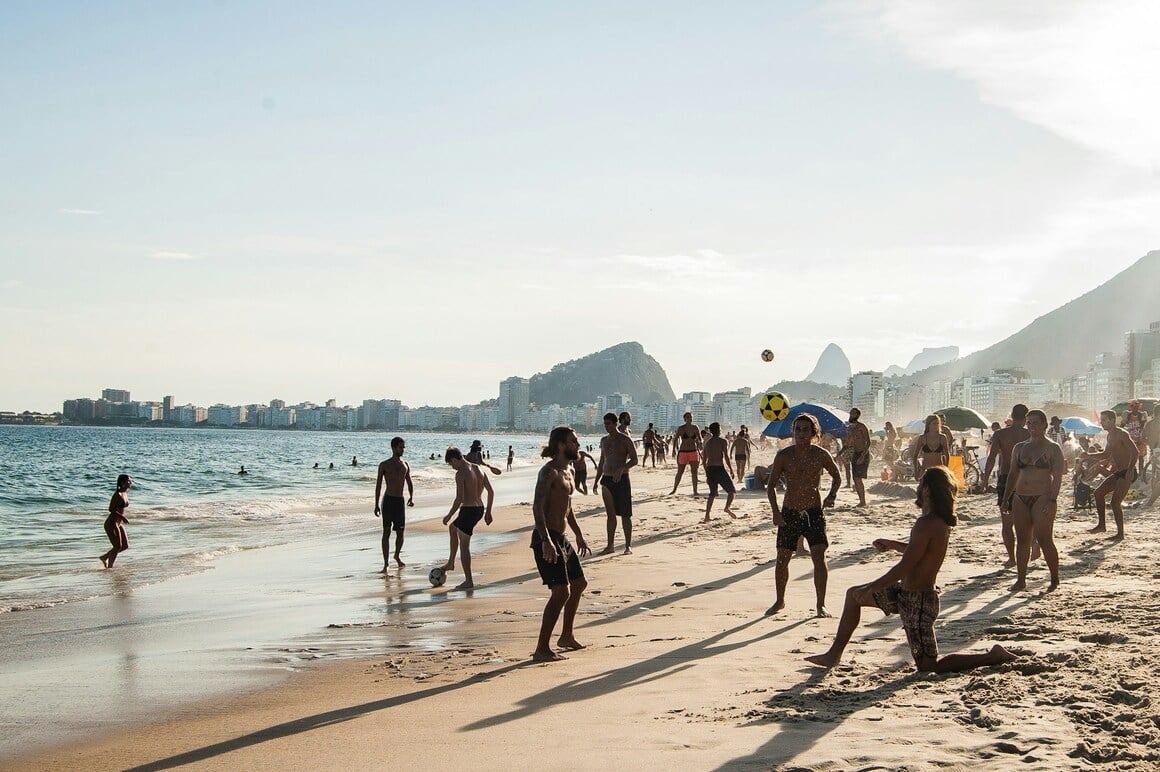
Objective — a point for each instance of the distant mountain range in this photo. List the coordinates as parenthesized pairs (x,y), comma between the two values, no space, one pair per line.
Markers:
(624,368)
(928,357)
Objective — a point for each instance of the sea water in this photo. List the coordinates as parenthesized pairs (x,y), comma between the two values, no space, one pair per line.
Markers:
(188,504)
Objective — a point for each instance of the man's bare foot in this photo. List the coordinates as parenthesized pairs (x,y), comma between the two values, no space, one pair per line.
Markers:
(731,513)
(707,519)
(1118,537)
(399,562)
(464,586)
(448,566)
(673,491)
(1097,529)
(1010,563)
(1002,655)
(822,613)
(861,504)
(606,551)
(1053,586)
(546,656)
(822,660)
(104,562)
(383,570)
(627,550)
(570,644)
(1019,585)
(776,607)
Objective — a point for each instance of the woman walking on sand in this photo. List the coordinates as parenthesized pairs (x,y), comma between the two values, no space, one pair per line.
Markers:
(115,522)
(1032,491)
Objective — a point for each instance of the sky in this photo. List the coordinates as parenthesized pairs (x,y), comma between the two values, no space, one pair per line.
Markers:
(239,201)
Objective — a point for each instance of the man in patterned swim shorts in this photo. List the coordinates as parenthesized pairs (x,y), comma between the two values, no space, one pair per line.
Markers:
(909,588)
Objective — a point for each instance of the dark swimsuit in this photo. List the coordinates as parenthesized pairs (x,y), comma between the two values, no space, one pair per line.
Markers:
(1043,462)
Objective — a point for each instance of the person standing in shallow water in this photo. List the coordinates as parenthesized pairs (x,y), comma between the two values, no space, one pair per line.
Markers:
(115,522)
(909,588)
(394,473)
(802,514)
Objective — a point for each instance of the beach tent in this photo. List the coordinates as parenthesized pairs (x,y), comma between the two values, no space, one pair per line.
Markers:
(832,420)
(917,426)
(959,419)
(1078,425)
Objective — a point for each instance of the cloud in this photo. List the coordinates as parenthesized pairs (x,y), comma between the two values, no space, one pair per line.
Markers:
(704,265)
(77,211)
(173,256)
(1083,69)
(10,283)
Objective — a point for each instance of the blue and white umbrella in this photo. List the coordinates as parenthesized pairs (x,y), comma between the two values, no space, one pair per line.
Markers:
(1078,425)
(832,420)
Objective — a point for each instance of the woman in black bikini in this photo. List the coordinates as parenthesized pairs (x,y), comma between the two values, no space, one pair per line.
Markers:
(115,522)
(930,448)
(1032,490)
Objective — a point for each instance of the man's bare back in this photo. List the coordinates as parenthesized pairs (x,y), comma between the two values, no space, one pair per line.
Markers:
(716,450)
(470,481)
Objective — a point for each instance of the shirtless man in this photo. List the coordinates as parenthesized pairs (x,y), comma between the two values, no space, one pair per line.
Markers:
(802,463)
(393,473)
(580,471)
(1003,442)
(475,456)
(858,445)
(716,460)
(909,588)
(742,447)
(617,456)
(686,447)
(1122,452)
(556,559)
(647,441)
(1152,440)
(470,483)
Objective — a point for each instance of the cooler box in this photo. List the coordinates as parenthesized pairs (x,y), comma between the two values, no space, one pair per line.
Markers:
(749,483)
(956,467)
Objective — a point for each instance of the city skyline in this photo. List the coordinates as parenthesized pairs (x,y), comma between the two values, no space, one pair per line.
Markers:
(387,198)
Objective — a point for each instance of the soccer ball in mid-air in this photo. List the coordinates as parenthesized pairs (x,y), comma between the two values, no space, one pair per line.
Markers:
(437,577)
(774,406)
(767,356)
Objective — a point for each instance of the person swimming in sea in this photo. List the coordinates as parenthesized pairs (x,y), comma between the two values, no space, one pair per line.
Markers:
(115,522)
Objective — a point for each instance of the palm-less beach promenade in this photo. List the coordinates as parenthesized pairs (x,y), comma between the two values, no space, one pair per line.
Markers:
(682,670)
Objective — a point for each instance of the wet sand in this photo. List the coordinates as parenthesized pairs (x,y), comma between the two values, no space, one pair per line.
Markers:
(683,670)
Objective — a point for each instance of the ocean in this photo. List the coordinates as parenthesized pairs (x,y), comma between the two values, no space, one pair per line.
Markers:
(188,506)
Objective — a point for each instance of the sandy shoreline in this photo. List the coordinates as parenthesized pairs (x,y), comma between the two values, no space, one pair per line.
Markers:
(682,668)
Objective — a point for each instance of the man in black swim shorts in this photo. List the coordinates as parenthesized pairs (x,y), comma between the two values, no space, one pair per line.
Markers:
(617,456)
(470,484)
(394,473)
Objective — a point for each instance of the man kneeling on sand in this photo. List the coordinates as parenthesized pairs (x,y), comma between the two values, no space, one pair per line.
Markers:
(909,588)
(557,560)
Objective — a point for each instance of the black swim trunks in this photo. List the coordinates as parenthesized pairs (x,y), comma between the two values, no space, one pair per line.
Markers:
(580,474)
(394,512)
(567,567)
(860,464)
(1001,487)
(917,610)
(621,494)
(719,475)
(467,519)
(810,523)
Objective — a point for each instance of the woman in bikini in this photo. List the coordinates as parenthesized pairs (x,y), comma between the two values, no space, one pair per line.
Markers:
(115,522)
(930,448)
(1037,468)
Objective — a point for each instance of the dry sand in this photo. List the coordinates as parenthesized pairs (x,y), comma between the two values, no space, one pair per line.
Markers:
(683,671)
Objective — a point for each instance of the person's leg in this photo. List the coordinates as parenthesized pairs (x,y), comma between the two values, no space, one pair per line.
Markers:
(567,638)
(1021,518)
(680,473)
(1008,531)
(693,465)
(454,537)
(1118,505)
(399,546)
(821,578)
(465,560)
(1043,524)
(780,580)
(610,510)
(710,499)
(856,598)
(955,663)
(386,543)
(729,501)
(552,609)
(626,524)
(1100,494)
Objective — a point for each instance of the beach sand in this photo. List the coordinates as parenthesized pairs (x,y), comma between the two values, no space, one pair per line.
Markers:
(682,670)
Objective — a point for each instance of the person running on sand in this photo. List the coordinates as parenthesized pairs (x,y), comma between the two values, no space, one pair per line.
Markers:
(909,587)
(617,456)
(716,460)
(470,483)
(393,474)
(742,447)
(1003,444)
(858,443)
(1032,492)
(475,456)
(647,441)
(557,560)
(686,447)
(115,522)
(802,463)
(1122,452)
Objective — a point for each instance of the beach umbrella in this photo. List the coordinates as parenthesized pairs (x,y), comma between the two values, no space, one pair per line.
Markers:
(917,426)
(1078,425)
(1146,404)
(832,420)
(959,419)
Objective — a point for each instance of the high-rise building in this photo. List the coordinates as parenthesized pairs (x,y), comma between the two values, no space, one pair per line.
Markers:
(514,398)
(863,392)
(115,395)
(1140,348)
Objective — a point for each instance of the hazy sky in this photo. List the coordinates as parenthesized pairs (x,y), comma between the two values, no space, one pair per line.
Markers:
(236,201)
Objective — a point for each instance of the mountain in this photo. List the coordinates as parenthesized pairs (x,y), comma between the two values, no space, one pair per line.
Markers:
(809,391)
(624,368)
(833,367)
(928,357)
(1064,341)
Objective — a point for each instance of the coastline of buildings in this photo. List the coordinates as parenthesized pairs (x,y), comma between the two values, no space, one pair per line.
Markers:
(1108,380)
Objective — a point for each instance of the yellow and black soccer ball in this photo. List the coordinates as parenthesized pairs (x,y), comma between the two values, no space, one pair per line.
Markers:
(774,406)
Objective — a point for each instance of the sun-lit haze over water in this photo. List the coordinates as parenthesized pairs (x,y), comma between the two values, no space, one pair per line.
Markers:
(234,202)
